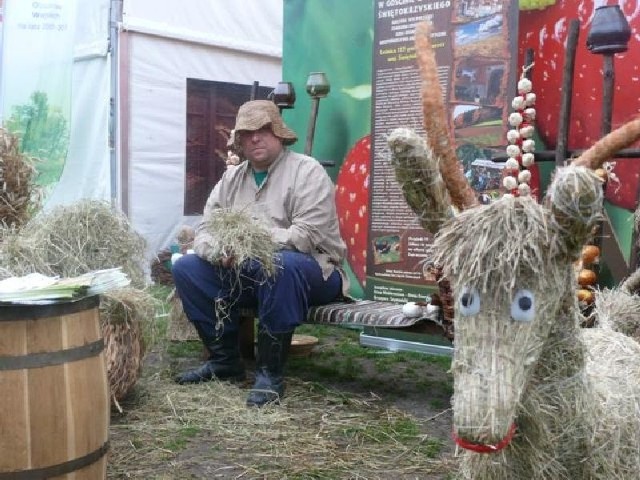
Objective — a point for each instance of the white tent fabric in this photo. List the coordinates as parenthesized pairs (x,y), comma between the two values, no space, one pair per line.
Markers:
(253,26)
(216,40)
(87,170)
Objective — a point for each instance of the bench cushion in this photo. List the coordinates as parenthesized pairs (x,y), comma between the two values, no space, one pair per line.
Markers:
(362,312)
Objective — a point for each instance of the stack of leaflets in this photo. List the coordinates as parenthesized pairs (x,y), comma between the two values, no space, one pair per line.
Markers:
(38,287)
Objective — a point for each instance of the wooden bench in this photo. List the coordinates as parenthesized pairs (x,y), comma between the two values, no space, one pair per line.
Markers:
(368,314)
(359,313)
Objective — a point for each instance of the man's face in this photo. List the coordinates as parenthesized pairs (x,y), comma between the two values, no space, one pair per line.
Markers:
(261,147)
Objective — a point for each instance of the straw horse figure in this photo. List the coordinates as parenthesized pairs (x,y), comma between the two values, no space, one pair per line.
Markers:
(535,396)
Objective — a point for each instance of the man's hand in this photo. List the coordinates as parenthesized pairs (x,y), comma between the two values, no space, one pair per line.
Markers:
(228,261)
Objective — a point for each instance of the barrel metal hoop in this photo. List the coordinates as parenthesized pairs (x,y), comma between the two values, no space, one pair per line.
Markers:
(59,469)
(10,312)
(48,359)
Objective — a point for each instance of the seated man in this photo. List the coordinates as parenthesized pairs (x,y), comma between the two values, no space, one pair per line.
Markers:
(296,197)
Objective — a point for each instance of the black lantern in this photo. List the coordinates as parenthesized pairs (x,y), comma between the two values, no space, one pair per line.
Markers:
(317,87)
(609,32)
(284,95)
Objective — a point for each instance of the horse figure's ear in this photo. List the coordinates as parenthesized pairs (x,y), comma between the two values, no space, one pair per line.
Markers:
(417,171)
(575,201)
(436,120)
(575,195)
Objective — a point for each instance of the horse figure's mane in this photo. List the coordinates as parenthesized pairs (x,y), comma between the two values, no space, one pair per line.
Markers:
(490,246)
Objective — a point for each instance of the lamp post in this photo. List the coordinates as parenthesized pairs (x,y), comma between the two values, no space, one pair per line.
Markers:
(609,34)
(317,87)
(284,95)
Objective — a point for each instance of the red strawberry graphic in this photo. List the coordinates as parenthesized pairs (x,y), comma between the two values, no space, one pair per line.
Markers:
(352,202)
(546,31)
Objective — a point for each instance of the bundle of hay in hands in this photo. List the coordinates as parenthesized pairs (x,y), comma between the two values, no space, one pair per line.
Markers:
(79,238)
(223,234)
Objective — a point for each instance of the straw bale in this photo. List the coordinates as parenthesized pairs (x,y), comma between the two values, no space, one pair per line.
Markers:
(19,194)
(126,317)
(75,239)
(180,329)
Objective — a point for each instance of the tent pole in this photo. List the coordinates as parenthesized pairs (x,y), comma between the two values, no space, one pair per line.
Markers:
(115,18)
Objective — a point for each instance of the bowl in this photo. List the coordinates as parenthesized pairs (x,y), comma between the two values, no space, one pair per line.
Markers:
(302,345)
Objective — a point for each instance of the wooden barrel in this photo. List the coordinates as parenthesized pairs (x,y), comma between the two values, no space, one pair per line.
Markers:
(54,393)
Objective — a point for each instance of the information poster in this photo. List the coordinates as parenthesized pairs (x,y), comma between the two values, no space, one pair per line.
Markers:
(475,46)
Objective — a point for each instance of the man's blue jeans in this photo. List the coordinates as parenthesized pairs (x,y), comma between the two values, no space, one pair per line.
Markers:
(282,301)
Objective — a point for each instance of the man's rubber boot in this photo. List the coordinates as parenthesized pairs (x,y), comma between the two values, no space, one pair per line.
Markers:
(271,357)
(225,362)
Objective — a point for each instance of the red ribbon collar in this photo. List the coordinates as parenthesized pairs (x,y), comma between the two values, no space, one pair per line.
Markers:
(483,447)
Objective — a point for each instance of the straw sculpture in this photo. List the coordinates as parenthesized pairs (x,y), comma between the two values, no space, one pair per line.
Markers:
(535,395)
(19,195)
(522,364)
(418,174)
(619,309)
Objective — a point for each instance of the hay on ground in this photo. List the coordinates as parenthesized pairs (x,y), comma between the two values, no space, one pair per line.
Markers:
(314,433)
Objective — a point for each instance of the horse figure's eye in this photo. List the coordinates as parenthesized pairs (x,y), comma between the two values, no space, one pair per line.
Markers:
(523,306)
(469,301)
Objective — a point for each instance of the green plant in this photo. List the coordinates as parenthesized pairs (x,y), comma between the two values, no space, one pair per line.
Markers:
(181,438)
